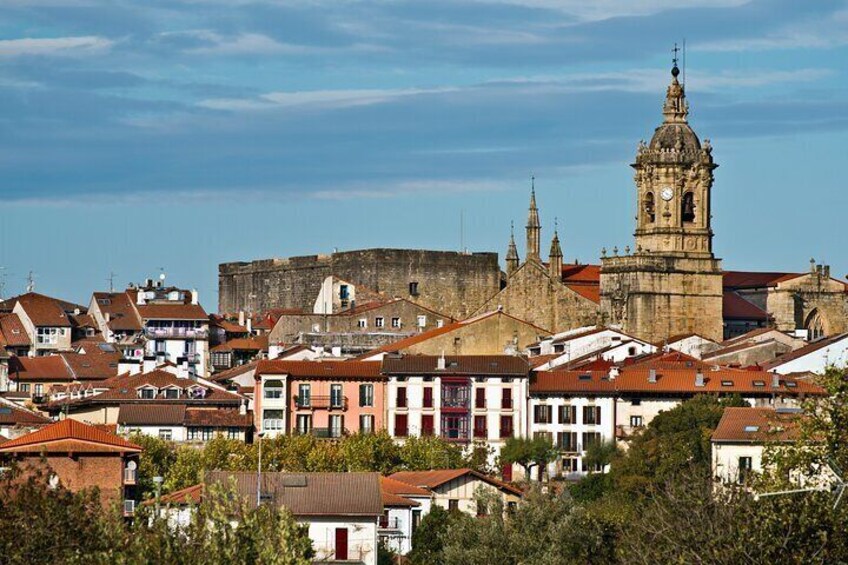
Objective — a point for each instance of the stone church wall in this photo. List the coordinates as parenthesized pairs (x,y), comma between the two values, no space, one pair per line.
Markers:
(449,282)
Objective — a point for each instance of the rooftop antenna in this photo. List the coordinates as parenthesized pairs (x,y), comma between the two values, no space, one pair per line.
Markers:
(30,282)
(111,280)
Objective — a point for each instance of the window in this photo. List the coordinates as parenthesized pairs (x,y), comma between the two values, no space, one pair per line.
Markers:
(272,420)
(379,322)
(362,323)
(454,426)
(569,465)
(344,292)
(547,436)
(687,208)
(366,423)
(567,441)
(427,426)
(304,395)
(401,397)
(220,359)
(635,402)
(759,383)
(650,207)
(159,346)
(506,426)
(233,433)
(304,423)
(506,399)
(147,393)
(272,389)
(366,395)
(428,397)
(47,336)
(453,505)
(542,414)
(25,387)
(39,389)
(206,433)
(401,425)
(336,399)
(336,425)
(726,383)
(395,322)
(440,323)
(165,434)
(416,519)
(172,393)
(480,398)
(413,288)
(480,427)
(592,415)
(635,421)
(567,414)
(745,467)
(455,395)
(590,439)
(422,321)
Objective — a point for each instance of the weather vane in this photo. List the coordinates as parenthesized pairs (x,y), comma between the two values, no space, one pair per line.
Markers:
(675,51)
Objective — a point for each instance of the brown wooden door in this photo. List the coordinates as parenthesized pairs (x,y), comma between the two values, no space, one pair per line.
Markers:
(341,544)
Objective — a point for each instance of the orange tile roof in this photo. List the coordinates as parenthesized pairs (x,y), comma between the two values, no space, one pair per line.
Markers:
(512,365)
(14,415)
(590,292)
(757,425)
(319,369)
(254,343)
(188,495)
(557,382)
(176,311)
(47,368)
(43,311)
(435,478)
(402,488)
(12,331)
(121,309)
(69,435)
(581,274)
(749,279)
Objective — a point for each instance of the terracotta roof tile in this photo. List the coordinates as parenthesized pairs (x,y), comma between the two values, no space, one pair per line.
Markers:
(749,279)
(151,414)
(254,343)
(12,331)
(47,368)
(590,292)
(402,488)
(69,435)
(175,311)
(44,311)
(121,309)
(218,418)
(13,415)
(757,425)
(581,274)
(435,478)
(734,307)
(317,369)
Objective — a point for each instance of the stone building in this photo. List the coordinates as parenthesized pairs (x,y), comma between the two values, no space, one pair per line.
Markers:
(446,281)
(672,283)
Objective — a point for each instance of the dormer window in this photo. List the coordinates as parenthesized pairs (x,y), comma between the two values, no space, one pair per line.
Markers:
(172,393)
(147,393)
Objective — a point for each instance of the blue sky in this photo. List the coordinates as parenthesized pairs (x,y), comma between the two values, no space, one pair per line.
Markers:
(178,134)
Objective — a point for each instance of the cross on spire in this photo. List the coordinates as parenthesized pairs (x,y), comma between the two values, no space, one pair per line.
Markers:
(676,50)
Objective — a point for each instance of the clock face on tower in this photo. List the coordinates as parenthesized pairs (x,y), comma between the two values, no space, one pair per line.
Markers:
(666,194)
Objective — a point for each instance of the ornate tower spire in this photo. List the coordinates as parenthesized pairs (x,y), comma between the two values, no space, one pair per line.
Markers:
(675,107)
(534,227)
(555,256)
(511,252)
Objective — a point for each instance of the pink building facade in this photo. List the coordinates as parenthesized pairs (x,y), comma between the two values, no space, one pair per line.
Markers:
(327,399)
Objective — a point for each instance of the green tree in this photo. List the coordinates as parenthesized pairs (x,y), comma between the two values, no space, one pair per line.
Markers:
(187,469)
(155,460)
(371,452)
(528,453)
(428,452)
(428,539)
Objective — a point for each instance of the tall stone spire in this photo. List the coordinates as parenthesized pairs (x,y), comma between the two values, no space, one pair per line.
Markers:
(534,227)
(512,259)
(555,256)
(675,107)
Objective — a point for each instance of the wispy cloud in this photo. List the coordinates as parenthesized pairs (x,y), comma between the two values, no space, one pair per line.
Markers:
(68,46)
(319,98)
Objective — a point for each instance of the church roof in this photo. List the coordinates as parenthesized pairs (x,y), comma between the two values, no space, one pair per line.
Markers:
(734,307)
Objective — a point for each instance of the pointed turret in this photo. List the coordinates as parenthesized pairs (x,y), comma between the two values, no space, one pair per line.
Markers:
(534,227)
(512,259)
(555,257)
(675,108)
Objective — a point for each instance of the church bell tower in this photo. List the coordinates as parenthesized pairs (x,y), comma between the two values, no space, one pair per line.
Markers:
(672,283)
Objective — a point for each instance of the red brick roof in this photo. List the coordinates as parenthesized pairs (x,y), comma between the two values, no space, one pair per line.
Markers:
(435,478)
(43,311)
(12,331)
(319,369)
(581,274)
(590,292)
(734,307)
(69,435)
(757,425)
(34,369)
(121,310)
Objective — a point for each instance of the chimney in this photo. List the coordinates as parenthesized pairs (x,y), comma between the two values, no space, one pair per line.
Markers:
(826,271)
(241,318)
(140,298)
(108,317)
(652,376)
(775,381)
(614,372)
(440,362)
(699,379)
(194,298)
(243,408)
(249,325)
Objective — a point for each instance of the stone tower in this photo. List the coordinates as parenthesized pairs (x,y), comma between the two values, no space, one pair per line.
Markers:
(672,284)
(534,227)
(512,259)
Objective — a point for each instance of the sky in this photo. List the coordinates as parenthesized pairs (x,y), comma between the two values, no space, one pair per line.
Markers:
(173,135)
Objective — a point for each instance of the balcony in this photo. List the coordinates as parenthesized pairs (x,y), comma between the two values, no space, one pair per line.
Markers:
(321,402)
(273,425)
(176,333)
(387,523)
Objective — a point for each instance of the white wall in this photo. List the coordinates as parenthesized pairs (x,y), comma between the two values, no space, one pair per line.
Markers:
(817,361)
(361,535)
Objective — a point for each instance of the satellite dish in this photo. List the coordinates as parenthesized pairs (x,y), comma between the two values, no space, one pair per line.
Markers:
(162,276)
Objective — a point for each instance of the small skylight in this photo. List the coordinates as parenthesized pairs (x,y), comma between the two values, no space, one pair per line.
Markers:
(759,383)
(726,383)
(752,428)
(585,377)
(790,384)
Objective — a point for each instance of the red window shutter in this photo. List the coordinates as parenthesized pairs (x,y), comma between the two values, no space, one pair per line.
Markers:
(401,397)
(480,399)
(506,472)
(401,425)
(574,414)
(428,397)
(598,415)
(427,425)
(506,400)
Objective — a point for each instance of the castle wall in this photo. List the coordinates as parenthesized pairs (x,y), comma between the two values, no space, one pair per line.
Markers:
(449,282)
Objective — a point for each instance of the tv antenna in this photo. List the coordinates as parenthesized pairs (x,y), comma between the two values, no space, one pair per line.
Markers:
(30,282)
(111,280)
